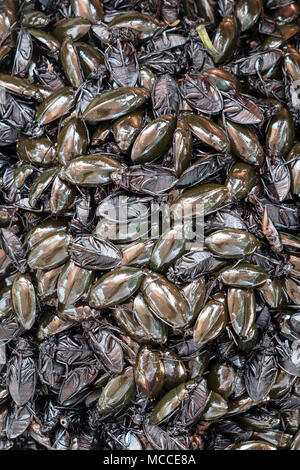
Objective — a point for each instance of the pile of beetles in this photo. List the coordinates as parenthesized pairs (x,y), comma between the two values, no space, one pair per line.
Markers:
(113,336)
